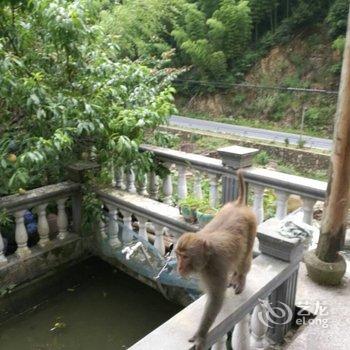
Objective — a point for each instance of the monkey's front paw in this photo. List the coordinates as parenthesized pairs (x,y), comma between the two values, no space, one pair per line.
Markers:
(198,341)
(238,288)
(238,284)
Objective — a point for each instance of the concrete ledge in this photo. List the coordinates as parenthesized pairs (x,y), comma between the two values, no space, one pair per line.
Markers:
(37,196)
(42,260)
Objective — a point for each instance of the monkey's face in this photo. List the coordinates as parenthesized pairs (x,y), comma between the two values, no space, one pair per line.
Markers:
(184,266)
(189,254)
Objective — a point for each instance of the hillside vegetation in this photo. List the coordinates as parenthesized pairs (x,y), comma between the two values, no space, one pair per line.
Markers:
(308,61)
(291,43)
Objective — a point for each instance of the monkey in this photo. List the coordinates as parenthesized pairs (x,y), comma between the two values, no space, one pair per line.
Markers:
(221,254)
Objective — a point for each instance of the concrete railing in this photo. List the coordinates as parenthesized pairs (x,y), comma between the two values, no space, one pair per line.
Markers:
(272,278)
(192,169)
(245,314)
(165,220)
(38,200)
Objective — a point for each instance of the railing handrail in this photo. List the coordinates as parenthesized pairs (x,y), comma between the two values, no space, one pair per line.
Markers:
(303,186)
(38,195)
(157,212)
(195,160)
(266,275)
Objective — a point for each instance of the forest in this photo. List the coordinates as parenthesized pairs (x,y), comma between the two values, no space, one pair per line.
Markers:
(88,78)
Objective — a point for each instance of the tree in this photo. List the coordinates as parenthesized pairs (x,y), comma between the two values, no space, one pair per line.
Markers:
(326,265)
(65,91)
(236,20)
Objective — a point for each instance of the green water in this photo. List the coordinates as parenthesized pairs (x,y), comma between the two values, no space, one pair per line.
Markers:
(95,307)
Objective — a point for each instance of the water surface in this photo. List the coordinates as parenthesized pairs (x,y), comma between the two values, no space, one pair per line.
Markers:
(99,308)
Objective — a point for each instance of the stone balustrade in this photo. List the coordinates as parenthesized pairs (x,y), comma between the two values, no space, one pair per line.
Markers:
(191,172)
(272,279)
(144,213)
(38,200)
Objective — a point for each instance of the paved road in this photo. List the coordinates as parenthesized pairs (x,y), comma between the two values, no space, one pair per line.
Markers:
(255,133)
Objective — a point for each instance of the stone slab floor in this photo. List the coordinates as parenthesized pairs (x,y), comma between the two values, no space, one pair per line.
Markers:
(330,330)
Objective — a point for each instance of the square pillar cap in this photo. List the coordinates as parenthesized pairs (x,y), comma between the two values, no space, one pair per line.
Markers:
(280,247)
(237,156)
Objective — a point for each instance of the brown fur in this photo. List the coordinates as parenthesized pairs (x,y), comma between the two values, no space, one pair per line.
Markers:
(221,253)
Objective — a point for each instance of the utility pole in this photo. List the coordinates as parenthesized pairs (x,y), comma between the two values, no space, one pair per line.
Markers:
(326,265)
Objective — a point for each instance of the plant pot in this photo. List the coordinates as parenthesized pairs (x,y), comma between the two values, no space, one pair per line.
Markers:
(321,272)
(188,213)
(204,218)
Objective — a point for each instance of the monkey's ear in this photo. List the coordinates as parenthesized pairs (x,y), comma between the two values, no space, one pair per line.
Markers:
(206,246)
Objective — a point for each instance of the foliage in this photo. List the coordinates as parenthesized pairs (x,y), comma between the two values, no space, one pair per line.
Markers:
(217,40)
(269,203)
(190,202)
(65,91)
(262,158)
(5,219)
(337,17)
(143,26)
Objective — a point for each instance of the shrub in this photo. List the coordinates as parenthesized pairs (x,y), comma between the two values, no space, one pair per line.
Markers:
(262,158)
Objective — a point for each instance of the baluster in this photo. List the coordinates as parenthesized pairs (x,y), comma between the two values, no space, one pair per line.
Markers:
(130,181)
(153,185)
(258,326)
(119,179)
(213,192)
(258,202)
(168,186)
(3,259)
(182,182)
(113,176)
(220,344)
(142,185)
(240,335)
(21,235)
(113,227)
(308,207)
(102,226)
(127,235)
(159,238)
(43,225)
(197,186)
(281,203)
(142,228)
(62,219)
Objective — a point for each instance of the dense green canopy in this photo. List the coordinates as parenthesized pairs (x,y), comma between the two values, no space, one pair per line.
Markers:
(65,92)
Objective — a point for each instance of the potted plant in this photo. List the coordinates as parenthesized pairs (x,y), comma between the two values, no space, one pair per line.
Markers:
(188,208)
(205,213)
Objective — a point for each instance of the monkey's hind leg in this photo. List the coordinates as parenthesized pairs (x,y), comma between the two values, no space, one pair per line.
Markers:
(239,275)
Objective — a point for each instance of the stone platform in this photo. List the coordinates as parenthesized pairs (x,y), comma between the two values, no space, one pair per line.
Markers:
(331,327)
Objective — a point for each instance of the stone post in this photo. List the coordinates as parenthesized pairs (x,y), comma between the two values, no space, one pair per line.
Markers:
(77,173)
(283,297)
(234,157)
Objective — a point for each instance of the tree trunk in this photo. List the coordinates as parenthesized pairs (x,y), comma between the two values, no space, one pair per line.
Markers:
(333,225)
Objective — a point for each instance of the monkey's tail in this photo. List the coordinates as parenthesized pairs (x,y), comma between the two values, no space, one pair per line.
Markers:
(241,199)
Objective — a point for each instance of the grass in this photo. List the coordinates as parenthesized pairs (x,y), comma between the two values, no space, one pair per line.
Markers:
(320,175)
(205,144)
